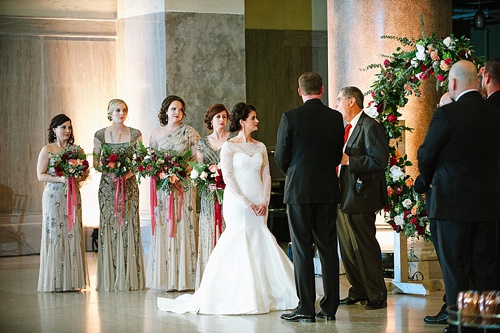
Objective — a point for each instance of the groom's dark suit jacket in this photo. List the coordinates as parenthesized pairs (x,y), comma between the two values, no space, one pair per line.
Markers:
(309,147)
(460,159)
(363,187)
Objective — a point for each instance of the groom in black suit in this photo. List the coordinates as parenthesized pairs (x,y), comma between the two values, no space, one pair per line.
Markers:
(308,148)
(364,191)
(460,160)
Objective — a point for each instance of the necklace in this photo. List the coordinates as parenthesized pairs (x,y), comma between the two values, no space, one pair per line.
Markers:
(119,136)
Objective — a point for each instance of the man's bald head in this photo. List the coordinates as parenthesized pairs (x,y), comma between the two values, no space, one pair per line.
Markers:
(463,76)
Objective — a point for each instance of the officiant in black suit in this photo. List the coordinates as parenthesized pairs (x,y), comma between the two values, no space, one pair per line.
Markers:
(364,191)
(460,158)
(309,147)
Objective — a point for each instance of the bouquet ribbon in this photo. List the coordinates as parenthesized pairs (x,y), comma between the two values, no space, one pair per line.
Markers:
(119,191)
(153,203)
(218,219)
(71,201)
(171,215)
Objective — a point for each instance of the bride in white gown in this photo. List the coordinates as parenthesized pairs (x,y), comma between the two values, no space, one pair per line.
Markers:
(247,273)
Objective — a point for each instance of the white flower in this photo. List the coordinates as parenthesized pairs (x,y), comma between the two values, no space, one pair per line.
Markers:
(448,42)
(414,62)
(407,203)
(396,173)
(372,111)
(203,175)
(399,220)
(194,174)
(420,52)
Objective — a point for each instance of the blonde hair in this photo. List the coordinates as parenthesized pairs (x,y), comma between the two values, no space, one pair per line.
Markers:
(112,106)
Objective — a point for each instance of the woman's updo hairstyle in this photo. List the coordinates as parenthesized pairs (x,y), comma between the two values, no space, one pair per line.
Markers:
(162,115)
(112,105)
(56,122)
(239,112)
(211,112)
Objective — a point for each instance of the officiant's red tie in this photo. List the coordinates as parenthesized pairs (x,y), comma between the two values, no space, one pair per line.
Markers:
(347,129)
(346,133)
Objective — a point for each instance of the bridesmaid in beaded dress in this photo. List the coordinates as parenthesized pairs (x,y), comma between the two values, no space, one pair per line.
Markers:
(208,152)
(120,263)
(63,265)
(172,260)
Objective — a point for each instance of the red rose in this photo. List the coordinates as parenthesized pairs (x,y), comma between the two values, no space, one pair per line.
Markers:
(140,168)
(392,118)
(440,78)
(398,189)
(448,61)
(393,161)
(386,62)
(113,157)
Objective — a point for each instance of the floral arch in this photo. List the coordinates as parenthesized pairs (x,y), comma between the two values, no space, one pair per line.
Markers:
(400,76)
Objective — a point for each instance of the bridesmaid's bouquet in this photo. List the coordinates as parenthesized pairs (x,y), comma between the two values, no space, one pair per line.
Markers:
(71,162)
(117,163)
(167,171)
(208,178)
(167,168)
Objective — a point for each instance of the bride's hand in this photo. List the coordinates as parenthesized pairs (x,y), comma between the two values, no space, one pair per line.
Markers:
(259,210)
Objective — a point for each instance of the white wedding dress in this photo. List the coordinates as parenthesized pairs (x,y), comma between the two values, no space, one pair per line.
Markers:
(248,272)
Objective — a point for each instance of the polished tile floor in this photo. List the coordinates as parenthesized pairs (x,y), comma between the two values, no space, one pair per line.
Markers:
(22,309)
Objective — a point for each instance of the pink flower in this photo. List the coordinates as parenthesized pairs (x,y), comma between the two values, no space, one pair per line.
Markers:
(213,168)
(387,62)
(440,78)
(434,55)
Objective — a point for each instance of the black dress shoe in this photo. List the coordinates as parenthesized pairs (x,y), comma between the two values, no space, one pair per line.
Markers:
(440,318)
(294,316)
(374,305)
(321,314)
(351,300)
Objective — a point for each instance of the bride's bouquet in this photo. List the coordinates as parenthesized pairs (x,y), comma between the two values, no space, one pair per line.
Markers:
(71,163)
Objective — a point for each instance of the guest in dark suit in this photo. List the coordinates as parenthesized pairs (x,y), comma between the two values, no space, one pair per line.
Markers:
(460,158)
(364,191)
(421,187)
(491,81)
(309,146)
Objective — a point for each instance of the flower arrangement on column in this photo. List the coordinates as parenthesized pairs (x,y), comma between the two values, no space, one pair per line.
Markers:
(400,76)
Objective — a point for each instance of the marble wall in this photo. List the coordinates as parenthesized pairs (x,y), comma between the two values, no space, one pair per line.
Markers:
(48,67)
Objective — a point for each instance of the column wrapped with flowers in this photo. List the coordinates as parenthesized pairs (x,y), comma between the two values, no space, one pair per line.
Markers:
(400,76)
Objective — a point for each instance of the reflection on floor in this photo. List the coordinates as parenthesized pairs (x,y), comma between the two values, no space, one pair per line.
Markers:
(22,309)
